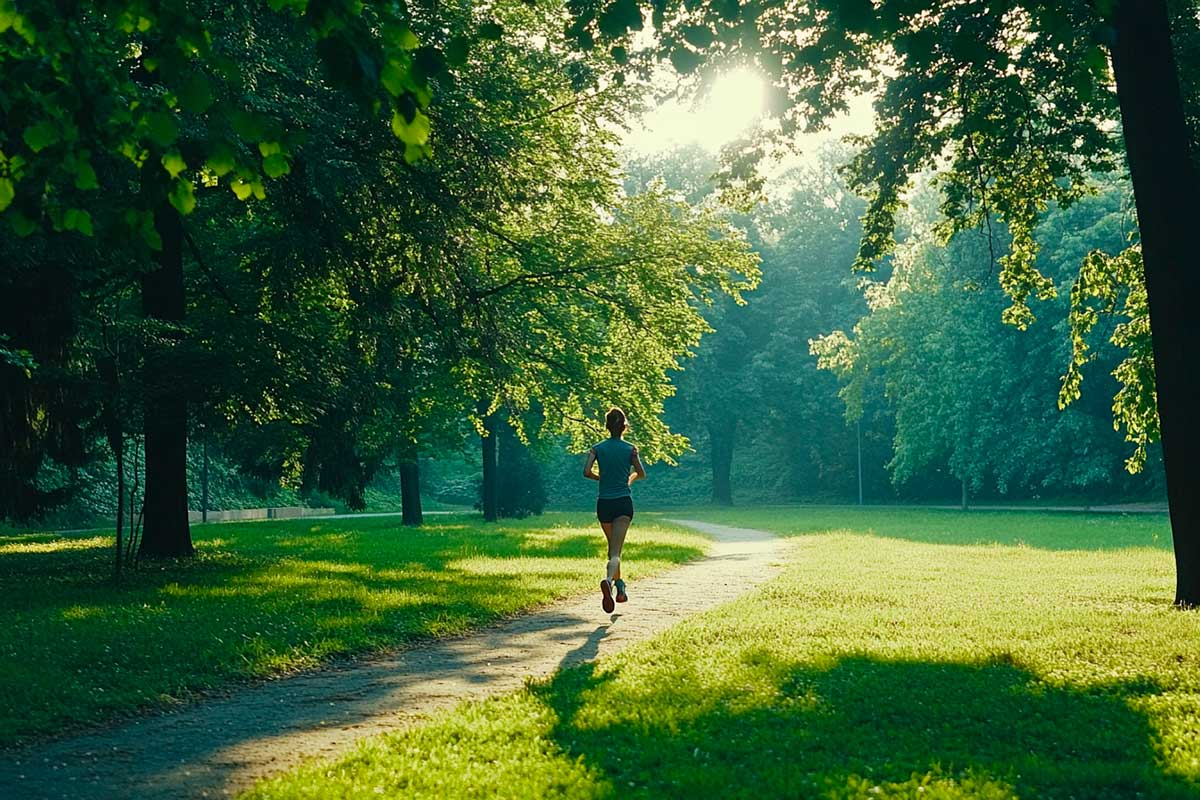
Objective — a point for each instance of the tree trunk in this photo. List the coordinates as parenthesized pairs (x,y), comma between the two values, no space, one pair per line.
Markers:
(165,532)
(410,492)
(119,453)
(1165,190)
(491,494)
(722,436)
(109,370)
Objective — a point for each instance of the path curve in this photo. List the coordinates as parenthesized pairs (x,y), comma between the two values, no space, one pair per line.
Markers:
(221,746)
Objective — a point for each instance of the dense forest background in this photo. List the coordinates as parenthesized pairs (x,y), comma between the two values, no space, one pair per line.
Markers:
(358,325)
(950,391)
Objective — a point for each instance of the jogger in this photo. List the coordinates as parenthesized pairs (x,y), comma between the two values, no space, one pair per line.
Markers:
(619,467)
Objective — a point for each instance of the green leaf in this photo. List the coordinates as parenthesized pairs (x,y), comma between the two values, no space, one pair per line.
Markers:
(173,163)
(161,128)
(8,15)
(685,61)
(699,36)
(221,160)
(276,165)
(491,30)
(7,193)
(241,189)
(24,28)
(183,196)
(457,50)
(77,219)
(428,62)
(151,236)
(406,39)
(22,225)
(856,15)
(415,152)
(195,94)
(394,77)
(85,175)
(1097,62)
(41,135)
(269,148)
(620,17)
(142,223)
(415,132)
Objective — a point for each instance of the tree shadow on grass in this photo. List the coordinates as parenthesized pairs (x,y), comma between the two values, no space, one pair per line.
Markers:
(843,728)
(261,595)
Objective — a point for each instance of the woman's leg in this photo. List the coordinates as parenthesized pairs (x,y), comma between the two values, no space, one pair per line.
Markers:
(607,527)
(616,541)
(613,549)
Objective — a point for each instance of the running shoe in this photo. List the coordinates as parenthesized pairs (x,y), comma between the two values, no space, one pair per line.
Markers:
(607,602)
(621,596)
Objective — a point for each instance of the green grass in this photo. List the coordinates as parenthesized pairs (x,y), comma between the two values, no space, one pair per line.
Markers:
(267,597)
(1047,530)
(910,654)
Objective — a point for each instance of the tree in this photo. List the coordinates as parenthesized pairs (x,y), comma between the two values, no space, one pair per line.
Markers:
(519,484)
(1161,166)
(971,394)
(155,103)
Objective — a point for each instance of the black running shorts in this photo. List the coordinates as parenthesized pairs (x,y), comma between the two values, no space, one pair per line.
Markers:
(609,509)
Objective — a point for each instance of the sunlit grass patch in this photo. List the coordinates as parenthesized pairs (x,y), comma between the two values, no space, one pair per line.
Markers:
(1044,530)
(929,661)
(265,597)
(48,543)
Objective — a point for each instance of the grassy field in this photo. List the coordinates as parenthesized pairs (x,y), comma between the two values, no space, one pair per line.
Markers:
(267,597)
(912,654)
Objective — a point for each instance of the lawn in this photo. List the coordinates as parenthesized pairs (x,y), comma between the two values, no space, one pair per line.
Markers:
(913,654)
(264,598)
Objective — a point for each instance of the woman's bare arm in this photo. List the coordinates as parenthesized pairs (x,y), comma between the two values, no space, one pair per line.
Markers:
(639,472)
(587,466)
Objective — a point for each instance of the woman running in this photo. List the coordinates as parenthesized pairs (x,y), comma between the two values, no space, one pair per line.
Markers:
(619,468)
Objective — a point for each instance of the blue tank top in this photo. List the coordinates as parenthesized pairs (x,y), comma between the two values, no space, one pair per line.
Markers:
(615,459)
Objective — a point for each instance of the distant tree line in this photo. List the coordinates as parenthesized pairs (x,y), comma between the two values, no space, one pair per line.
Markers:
(913,372)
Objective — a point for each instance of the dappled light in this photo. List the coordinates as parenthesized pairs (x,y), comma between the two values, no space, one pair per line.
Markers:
(877,666)
(251,605)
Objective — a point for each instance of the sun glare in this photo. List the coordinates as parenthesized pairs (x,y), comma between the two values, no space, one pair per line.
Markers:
(732,106)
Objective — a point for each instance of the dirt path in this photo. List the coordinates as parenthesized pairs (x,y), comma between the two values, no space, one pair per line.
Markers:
(221,746)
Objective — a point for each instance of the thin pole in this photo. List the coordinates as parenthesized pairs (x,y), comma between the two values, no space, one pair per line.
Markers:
(204,479)
(858,432)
